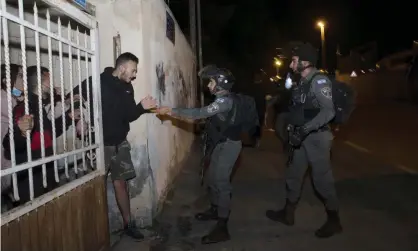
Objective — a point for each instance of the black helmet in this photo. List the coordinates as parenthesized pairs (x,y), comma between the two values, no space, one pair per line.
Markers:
(305,52)
(223,77)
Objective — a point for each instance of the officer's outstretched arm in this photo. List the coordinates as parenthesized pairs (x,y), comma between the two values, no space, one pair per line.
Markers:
(322,89)
(222,104)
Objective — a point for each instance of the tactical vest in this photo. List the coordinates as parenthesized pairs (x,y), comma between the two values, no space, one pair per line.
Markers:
(222,126)
(302,108)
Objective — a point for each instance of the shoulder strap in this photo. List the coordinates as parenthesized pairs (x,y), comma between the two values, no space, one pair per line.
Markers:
(231,115)
(306,90)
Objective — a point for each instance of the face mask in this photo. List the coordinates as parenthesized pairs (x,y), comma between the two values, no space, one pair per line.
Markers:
(288,84)
(16,92)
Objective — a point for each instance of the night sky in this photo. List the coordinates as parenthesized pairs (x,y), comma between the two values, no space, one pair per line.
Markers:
(254,28)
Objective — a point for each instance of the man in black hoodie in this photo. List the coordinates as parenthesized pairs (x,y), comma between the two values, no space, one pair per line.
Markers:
(118,110)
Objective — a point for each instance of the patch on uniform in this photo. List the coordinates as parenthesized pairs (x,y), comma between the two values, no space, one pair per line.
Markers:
(213,107)
(221,117)
(321,81)
(327,92)
(220,100)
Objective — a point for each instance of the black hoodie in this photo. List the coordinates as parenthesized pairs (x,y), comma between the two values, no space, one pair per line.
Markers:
(118,106)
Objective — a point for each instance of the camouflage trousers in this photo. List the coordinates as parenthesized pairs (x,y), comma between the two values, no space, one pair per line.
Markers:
(118,161)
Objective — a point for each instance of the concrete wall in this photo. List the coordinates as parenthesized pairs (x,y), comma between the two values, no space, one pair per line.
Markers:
(166,71)
(379,86)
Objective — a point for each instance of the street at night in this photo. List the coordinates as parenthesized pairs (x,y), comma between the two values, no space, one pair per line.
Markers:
(376,179)
(208,125)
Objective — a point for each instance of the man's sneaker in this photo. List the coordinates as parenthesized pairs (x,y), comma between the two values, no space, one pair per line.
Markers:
(132,231)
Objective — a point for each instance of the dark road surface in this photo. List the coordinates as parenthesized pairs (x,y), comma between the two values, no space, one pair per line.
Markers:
(376,179)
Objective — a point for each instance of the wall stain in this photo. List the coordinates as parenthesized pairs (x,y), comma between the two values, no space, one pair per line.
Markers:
(182,88)
(144,177)
(159,70)
(185,91)
(140,160)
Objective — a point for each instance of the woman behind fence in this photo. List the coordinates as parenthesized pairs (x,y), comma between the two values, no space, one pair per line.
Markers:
(16,83)
(32,123)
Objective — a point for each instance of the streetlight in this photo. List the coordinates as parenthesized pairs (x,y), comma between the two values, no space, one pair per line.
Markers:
(321,25)
(277,63)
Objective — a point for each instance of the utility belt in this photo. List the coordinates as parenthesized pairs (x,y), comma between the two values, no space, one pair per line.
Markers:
(323,129)
(291,128)
(215,141)
(298,115)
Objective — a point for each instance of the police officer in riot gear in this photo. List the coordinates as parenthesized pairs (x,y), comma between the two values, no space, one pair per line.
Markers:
(311,139)
(225,136)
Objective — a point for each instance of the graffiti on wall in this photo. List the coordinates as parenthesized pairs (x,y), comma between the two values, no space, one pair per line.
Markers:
(182,87)
(161,88)
(117,47)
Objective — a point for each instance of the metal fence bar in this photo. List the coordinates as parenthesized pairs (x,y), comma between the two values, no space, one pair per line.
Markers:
(9,97)
(98,132)
(88,98)
(40,94)
(70,62)
(64,132)
(80,91)
(52,96)
(73,12)
(41,30)
(38,162)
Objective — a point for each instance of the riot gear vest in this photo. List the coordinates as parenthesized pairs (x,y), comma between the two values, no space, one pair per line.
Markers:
(304,106)
(223,126)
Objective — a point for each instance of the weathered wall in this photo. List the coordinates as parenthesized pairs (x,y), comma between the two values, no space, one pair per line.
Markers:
(379,86)
(166,72)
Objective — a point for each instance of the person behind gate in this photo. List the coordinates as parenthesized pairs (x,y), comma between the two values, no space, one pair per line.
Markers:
(32,122)
(226,135)
(311,139)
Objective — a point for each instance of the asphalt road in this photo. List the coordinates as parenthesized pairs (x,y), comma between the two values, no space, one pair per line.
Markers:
(376,171)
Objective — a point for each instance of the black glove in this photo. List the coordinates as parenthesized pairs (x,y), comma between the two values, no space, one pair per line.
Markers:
(296,138)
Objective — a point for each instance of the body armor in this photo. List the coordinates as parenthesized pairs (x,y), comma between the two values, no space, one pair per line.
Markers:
(303,106)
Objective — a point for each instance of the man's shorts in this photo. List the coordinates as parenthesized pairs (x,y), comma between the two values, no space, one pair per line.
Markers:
(118,161)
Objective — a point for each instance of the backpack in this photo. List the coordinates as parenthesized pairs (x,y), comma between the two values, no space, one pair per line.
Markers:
(343,97)
(245,113)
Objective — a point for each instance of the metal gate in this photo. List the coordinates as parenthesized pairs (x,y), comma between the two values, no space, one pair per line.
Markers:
(48,49)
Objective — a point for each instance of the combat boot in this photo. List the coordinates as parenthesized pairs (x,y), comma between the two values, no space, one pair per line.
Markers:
(331,227)
(210,214)
(218,234)
(285,216)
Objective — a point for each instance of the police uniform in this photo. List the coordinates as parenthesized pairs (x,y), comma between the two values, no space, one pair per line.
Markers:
(224,154)
(316,147)
(227,147)
(311,111)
